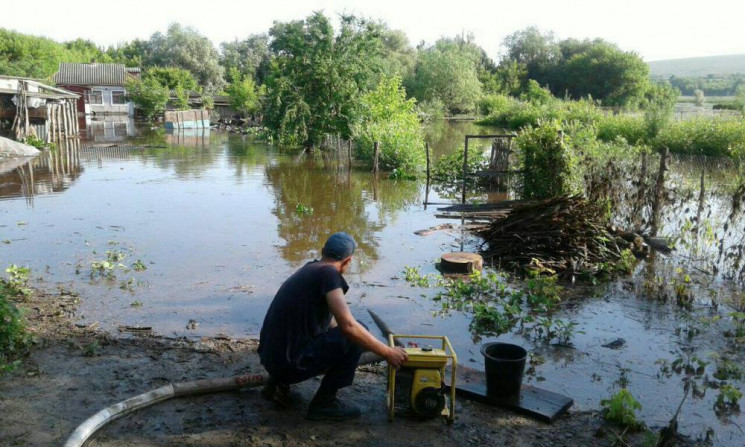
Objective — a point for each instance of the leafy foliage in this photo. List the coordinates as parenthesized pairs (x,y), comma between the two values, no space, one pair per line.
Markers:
(578,68)
(172,77)
(186,48)
(548,162)
(316,77)
(386,116)
(248,58)
(447,73)
(149,95)
(245,97)
(13,335)
(621,409)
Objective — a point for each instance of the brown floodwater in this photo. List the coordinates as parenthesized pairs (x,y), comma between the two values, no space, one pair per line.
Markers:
(219,221)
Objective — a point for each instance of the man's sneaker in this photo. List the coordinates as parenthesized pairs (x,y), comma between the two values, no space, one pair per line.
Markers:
(281,394)
(335,410)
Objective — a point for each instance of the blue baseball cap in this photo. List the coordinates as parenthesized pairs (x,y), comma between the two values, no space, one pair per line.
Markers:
(339,246)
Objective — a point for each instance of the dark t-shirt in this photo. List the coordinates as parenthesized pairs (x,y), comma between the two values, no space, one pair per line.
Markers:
(298,313)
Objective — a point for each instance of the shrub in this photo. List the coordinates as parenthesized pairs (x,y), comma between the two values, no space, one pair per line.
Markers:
(12,326)
(149,95)
(390,119)
(495,104)
(431,109)
(704,136)
(631,128)
(535,94)
(621,409)
(548,161)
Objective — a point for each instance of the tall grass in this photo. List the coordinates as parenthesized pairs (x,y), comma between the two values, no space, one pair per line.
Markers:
(713,136)
(704,136)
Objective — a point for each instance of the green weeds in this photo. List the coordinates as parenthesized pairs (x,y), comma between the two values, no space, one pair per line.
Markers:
(621,408)
(728,400)
(13,336)
(498,308)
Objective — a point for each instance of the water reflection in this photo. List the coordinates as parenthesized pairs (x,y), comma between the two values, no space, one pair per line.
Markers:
(356,202)
(52,171)
(696,203)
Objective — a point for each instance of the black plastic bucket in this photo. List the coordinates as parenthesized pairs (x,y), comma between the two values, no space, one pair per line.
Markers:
(505,365)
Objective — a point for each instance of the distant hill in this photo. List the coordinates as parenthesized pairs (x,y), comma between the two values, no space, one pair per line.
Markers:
(698,66)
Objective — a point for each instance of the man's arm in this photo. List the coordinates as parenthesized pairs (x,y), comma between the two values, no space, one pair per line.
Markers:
(357,333)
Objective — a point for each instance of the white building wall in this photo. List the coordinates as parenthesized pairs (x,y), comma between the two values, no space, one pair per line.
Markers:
(107,106)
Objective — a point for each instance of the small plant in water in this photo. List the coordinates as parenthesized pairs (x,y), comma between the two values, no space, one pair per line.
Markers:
(728,399)
(18,280)
(139,266)
(621,409)
(107,268)
(415,278)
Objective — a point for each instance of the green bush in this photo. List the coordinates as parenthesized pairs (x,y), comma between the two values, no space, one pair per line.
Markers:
(704,136)
(631,128)
(12,326)
(621,409)
(535,94)
(495,104)
(149,95)
(548,161)
(583,111)
(390,119)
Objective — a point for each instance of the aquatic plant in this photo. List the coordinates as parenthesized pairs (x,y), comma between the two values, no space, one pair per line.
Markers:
(17,282)
(621,409)
(139,266)
(728,399)
(413,277)
(107,267)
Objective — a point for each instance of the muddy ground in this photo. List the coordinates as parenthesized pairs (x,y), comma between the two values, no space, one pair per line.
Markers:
(73,371)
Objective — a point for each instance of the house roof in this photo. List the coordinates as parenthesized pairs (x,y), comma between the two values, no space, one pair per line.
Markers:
(91,74)
(43,90)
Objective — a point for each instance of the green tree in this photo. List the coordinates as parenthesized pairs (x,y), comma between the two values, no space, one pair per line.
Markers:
(172,77)
(389,118)
(245,97)
(316,77)
(149,95)
(185,47)
(131,54)
(398,57)
(36,57)
(603,71)
(659,102)
(537,52)
(448,73)
(250,57)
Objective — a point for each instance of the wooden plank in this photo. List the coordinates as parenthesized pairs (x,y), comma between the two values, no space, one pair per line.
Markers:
(503,205)
(536,403)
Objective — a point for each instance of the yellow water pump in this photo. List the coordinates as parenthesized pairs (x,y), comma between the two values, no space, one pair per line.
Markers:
(418,387)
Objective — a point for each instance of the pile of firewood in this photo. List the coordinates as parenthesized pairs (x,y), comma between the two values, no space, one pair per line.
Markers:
(566,236)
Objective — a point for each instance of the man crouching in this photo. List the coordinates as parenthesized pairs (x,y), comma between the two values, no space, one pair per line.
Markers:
(309,330)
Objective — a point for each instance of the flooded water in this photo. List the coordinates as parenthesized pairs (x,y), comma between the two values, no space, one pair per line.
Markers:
(200,230)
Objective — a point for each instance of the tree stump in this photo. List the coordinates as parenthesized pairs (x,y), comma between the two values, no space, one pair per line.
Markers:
(461,262)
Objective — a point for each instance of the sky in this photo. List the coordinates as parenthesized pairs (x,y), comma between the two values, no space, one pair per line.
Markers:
(654,29)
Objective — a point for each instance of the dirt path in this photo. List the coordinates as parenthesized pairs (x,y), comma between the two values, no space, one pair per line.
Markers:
(72,372)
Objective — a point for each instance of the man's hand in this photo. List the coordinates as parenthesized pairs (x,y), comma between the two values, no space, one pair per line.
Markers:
(396,357)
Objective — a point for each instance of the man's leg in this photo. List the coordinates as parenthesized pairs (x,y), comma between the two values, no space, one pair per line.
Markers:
(340,357)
